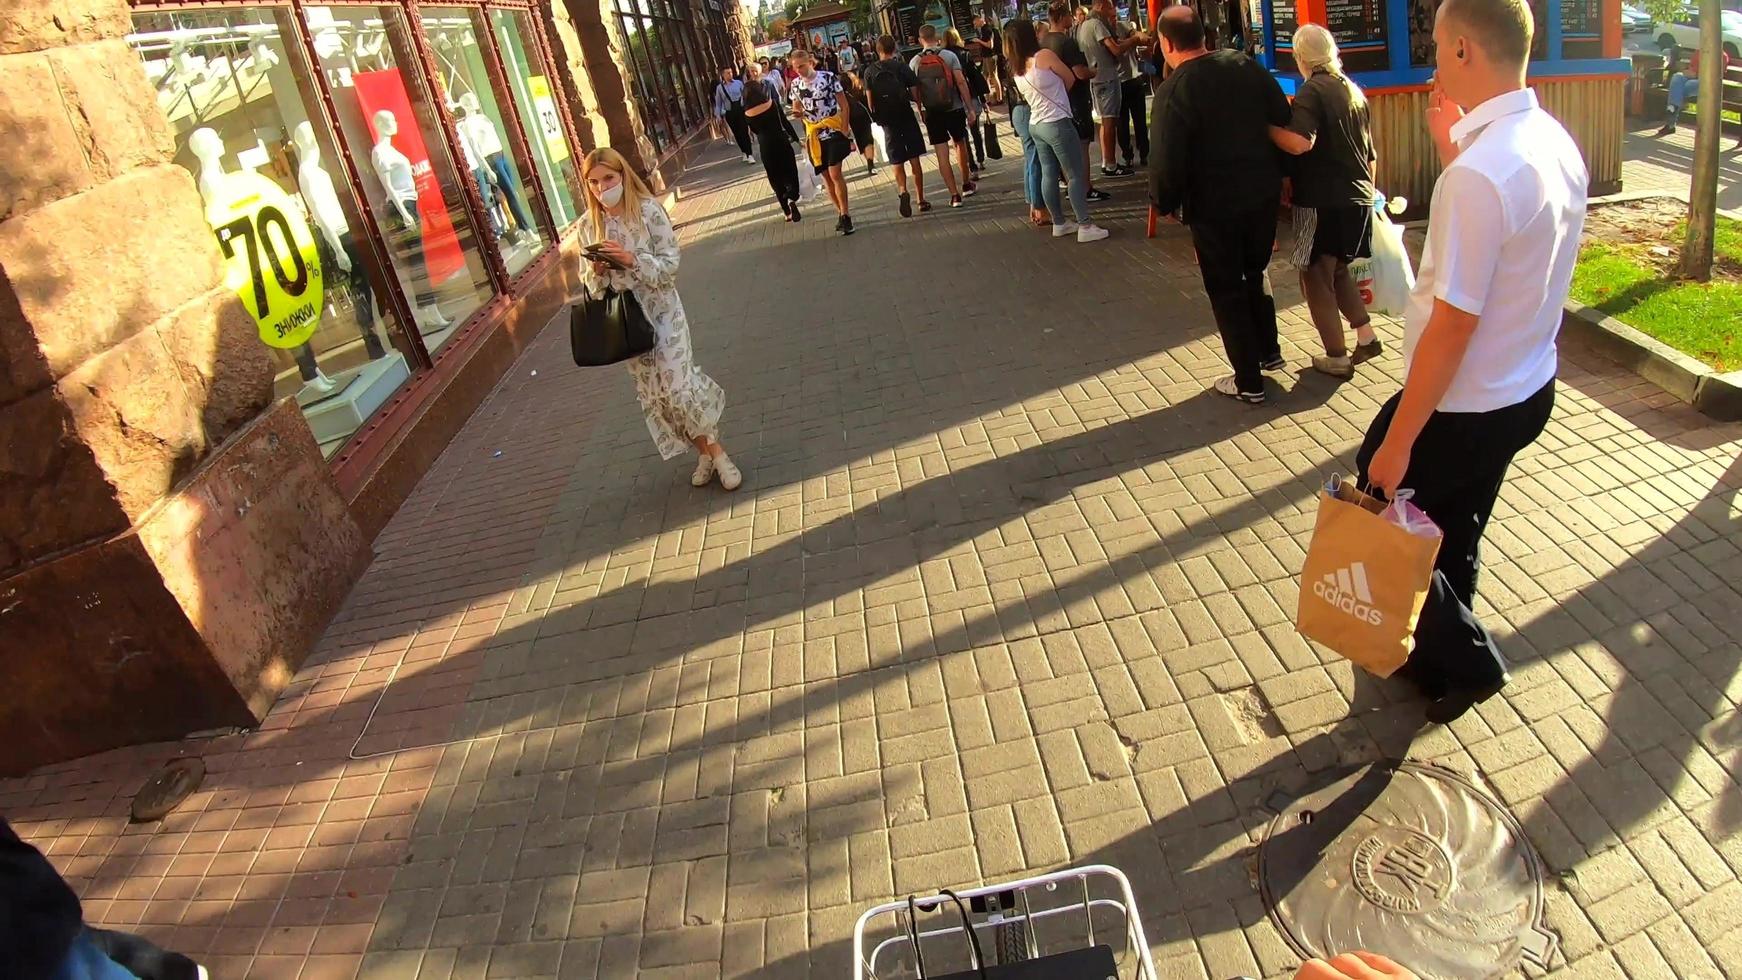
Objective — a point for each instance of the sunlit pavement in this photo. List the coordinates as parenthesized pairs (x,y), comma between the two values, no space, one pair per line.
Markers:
(1004,590)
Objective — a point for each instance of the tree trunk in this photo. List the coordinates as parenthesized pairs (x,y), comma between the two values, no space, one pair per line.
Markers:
(1696,258)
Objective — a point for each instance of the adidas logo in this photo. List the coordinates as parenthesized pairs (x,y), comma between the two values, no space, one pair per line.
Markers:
(1346,588)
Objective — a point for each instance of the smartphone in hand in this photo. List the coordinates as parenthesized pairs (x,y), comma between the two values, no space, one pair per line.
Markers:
(598,254)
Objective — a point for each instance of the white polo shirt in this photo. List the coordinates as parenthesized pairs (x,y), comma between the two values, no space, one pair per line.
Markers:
(1502,238)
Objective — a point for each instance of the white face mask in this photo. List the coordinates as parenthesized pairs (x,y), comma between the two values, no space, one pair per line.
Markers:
(609,196)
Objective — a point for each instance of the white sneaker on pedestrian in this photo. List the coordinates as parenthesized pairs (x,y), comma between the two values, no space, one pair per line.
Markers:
(729,475)
(1068,228)
(1228,386)
(1091,233)
(749,159)
(704,473)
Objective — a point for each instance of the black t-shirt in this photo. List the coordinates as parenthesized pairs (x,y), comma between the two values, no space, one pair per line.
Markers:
(1337,171)
(888,115)
(1062,44)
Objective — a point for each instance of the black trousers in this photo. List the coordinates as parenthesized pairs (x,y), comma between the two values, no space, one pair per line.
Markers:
(781,167)
(740,128)
(1233,250)
(1456,468)
(1134,119)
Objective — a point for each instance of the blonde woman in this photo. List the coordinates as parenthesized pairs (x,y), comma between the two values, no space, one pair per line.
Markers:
(682,404)
(1333,196)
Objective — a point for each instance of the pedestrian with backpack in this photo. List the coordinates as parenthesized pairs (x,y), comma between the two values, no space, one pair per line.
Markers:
(948,108)
(1045,81)
(894,90)
(977,90)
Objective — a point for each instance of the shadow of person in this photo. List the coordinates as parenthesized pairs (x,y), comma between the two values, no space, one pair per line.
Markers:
(893,535)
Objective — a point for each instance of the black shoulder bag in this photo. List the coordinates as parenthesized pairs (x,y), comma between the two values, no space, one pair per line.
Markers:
(609,328)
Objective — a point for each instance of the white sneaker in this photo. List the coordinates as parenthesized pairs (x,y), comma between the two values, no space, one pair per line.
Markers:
(704,473)
(1068,228)
(1091,233)
(729,475)
(749,159)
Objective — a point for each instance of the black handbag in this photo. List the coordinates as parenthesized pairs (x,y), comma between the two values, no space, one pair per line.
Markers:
(993,150)
(609,329)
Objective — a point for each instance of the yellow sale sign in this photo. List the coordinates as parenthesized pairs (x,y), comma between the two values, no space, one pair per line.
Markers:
(269,257)
(549,123)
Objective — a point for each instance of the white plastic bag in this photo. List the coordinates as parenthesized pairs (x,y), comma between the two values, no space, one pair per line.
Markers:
(1391,278)
(807,177)
(881,138)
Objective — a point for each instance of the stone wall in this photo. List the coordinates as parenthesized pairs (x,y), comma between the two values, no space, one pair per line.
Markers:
(597,52)
(132,389)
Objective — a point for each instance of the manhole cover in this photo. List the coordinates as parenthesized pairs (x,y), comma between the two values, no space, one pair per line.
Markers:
(1411,861)
(173,783)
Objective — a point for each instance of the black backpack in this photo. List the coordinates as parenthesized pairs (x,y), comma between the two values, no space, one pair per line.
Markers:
(888,95)
(971,73)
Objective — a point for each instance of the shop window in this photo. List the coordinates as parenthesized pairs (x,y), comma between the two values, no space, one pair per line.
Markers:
(482,134)
(239,96)
(394,136)
(535,93)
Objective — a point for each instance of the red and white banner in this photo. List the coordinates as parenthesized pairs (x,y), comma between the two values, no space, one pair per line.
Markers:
(377,90)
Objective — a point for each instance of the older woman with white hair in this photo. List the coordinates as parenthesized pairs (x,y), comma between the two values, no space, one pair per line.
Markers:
(1333,196)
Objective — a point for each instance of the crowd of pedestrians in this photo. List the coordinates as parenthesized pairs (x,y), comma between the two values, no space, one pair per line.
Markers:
(1225,150)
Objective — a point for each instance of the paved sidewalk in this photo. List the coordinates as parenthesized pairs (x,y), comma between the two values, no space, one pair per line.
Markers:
(1004,590)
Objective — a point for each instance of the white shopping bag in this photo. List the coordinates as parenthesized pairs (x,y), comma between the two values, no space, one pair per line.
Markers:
(881,138)
(1390,278)
(807,177)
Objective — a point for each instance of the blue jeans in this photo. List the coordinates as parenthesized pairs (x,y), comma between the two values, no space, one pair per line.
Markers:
(1060,149)
(1030,158)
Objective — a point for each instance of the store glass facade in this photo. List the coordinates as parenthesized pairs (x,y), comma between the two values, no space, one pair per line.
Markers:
(385,178)
(675,50)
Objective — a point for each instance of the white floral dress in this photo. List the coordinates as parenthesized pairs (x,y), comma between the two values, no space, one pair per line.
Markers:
(680,402)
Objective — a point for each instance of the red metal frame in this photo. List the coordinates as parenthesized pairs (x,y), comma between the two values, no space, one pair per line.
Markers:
(369,443)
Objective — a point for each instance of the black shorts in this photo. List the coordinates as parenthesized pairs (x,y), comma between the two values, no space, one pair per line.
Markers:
(903,139)
(944,125)
(1345,232)
(834,150)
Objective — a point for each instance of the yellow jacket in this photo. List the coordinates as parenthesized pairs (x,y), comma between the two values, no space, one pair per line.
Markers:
(813,132)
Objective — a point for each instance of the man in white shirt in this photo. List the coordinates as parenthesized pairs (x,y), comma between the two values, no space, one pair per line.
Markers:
(1479,334)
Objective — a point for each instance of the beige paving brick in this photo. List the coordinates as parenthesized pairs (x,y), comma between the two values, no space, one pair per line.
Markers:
(1628,911)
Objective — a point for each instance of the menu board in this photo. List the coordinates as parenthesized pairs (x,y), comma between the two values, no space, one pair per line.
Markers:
(962,12)
(1359,27)
(1282,14)
(1581,29)
(906,26)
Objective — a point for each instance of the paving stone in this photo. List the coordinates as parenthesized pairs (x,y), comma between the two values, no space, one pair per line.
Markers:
(990,602)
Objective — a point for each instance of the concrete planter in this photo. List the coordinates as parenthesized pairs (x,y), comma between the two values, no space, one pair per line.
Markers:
(1715,394)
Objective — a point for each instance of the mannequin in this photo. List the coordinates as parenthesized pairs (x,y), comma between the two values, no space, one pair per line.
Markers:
(480,176)
(478,128)
(339,248)
(208,147)
(393,169)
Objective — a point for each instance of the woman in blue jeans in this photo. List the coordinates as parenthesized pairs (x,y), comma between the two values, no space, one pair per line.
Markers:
(1044,82)
(1030,160)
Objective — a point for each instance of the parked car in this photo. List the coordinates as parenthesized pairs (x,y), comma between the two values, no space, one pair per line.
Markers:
(1684,32)
(1636,21)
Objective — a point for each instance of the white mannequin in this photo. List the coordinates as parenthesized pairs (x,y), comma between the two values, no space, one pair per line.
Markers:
(392,167)
(317,190)
(478,128)
(394,171)
(208,147)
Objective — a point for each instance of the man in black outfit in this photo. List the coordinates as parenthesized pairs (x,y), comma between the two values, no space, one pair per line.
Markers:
(1213,161)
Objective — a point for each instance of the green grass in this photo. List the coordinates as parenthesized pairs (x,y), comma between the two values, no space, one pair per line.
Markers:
(1703,320)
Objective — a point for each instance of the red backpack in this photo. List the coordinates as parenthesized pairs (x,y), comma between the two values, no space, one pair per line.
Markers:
(937,81)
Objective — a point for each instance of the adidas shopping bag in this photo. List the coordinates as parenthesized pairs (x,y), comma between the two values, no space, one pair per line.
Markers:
(1367,573)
